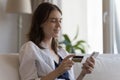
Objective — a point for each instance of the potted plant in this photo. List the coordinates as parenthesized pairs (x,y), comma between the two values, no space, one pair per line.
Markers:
(70,47)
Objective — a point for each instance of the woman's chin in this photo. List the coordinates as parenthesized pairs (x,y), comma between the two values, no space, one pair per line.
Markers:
(56,36)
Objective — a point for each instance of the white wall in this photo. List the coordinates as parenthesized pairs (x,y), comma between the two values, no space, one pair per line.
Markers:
(94,25)
(87,14)
(71,21)
(9,30)
(25,29)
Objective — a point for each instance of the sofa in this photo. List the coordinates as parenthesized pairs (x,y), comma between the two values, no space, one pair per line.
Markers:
(107,67)
(9,65)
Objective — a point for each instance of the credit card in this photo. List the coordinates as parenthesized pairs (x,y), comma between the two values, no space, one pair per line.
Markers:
(77,58)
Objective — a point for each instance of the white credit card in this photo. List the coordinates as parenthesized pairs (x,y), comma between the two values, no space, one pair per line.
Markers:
(94,54)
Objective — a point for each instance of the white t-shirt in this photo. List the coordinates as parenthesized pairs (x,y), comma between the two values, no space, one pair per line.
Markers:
(36,62)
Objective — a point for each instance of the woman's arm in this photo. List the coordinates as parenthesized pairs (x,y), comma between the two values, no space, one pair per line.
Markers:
(64,66)
(81,76)
(87,68)
(28,69)
(52,75)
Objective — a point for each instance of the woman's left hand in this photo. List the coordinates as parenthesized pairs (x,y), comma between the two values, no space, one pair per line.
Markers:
(88,66)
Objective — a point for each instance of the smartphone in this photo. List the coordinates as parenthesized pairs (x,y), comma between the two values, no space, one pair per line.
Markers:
(77,58)
(94,54)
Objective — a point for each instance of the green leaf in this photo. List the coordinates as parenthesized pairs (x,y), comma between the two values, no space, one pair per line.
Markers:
(66,38)
(79,42)
(81,49)
(68,48)
(76,34)
(79,45)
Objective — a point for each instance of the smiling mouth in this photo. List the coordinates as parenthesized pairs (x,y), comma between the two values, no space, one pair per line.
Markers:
(56,31)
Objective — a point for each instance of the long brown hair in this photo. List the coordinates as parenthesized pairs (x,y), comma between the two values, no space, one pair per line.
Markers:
(40,15)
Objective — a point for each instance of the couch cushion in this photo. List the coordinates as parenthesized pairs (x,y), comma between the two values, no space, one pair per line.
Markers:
(9,65)
(107,67)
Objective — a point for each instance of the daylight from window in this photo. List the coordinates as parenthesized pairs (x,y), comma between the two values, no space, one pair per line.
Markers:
(87,15)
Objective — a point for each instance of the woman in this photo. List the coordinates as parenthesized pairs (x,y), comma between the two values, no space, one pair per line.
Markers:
(41,58)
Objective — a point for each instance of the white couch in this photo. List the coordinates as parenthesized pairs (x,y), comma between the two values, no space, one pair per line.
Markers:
(9,65)
(107,67)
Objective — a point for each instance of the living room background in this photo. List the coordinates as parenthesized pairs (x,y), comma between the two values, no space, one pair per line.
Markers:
(88,16)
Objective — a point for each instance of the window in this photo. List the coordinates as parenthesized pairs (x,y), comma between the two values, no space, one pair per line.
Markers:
(116,25)
(87,15)
(111,25)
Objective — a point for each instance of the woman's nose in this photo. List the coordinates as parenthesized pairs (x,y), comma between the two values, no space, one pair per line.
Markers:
(58,24)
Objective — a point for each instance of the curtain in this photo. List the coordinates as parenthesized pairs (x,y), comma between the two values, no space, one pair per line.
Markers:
(117,24)
(108,27)
(111,26)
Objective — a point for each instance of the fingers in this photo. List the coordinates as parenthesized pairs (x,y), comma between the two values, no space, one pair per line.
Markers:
(88,66)
(90,61)
(66,63)
(68,57)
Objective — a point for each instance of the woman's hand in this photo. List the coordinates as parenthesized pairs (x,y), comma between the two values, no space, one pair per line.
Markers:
(88,66)
(65,65)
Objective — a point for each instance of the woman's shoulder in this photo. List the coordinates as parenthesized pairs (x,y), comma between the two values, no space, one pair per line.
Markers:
(29,46)
(28,43)
(28,49)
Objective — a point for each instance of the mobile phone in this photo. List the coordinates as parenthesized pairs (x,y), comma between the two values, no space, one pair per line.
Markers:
(77,58)
(94,54)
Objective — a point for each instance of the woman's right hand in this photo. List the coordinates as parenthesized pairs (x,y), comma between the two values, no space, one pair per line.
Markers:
(65,65)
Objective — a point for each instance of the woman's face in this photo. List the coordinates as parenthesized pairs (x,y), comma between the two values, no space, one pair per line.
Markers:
(52,26)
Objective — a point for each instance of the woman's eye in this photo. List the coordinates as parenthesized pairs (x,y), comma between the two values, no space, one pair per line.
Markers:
(60,21)
(53,20)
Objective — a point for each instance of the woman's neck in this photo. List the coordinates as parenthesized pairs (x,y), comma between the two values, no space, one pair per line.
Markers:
(48,42)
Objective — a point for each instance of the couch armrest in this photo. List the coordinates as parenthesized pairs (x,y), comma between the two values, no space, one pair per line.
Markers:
(9,64)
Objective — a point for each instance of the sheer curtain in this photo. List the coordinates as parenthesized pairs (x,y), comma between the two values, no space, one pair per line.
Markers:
(111,26)
(116,14)
(108,38)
